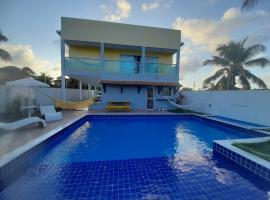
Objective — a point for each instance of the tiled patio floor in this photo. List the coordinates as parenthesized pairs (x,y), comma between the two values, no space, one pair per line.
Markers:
(10,140)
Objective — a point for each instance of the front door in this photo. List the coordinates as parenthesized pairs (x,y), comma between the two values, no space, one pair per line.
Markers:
(150,98)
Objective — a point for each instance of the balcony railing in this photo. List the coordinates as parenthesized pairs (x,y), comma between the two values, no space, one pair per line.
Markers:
(118,66)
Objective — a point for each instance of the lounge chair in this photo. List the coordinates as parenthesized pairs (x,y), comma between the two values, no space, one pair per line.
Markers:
(163,108)
(50,113)
(21,123)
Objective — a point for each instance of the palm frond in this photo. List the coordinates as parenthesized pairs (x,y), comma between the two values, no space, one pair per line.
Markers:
(261,62)
(2,37)
(243,41)
(248,4)
(221,84)
(244,82)
(254,79)
(217,75)
(4,55)
(28,71)
(253,51)
(232,51)
(217,61)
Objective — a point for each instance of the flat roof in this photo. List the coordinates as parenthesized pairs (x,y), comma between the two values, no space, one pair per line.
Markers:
(84,30)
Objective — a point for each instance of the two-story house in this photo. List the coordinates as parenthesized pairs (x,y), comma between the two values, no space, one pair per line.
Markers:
(132,63)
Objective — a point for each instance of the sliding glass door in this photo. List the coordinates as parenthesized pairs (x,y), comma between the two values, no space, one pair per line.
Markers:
(150,98)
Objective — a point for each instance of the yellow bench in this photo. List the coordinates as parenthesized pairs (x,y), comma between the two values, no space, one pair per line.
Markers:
(118,106)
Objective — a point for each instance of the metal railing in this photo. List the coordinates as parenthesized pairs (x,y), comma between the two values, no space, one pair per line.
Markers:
(118,66)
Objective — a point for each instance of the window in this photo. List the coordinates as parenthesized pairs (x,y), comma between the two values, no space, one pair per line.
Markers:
(165,91)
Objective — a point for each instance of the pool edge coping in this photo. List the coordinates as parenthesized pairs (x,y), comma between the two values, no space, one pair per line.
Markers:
(229,145)
(243,159)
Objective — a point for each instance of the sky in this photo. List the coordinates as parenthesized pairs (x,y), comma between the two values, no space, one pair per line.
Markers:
(31,25)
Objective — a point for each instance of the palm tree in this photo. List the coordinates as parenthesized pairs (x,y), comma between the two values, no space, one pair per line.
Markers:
(28,71)
(233,58)
(4,55)
(248,4)
(43,77)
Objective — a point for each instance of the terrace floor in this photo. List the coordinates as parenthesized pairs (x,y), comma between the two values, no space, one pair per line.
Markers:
(10,140)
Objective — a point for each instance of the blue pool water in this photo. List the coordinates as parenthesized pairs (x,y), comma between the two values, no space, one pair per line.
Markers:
(117,139)
(137,158)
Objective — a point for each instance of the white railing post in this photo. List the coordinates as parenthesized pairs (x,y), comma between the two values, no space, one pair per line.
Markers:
(63,83)
(178,63)
(102,55)
(80,90)
(89,91)
(143,59)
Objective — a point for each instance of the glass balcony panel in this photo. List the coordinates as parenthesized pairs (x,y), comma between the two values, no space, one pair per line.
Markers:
(151,68)
(111,66)
(126,67)
(83,64)
(116,66)
(167,69)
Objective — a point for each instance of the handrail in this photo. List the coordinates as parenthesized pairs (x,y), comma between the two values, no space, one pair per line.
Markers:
(78,58)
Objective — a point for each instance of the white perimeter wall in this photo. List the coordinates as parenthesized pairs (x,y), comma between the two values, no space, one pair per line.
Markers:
(8,93)
(246,105)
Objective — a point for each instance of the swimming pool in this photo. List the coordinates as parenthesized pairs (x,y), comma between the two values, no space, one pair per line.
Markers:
(136,157)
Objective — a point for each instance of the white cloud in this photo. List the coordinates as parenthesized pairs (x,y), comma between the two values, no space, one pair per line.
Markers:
(202,32)
(202,36)
(122,11)
(23,56)
(231,14)
(150,6)
(156,4)
(262,13)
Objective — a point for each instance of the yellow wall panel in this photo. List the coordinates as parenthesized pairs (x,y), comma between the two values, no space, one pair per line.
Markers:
(114,54)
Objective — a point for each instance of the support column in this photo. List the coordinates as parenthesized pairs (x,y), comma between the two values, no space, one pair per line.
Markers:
(89,91)
(63,83)
(178,63)
(80,89)
(143,60)
(102,54)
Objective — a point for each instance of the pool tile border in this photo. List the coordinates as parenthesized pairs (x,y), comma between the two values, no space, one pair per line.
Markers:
(252,163)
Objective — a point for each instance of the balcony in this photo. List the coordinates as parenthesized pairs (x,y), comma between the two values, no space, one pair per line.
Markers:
(121,70)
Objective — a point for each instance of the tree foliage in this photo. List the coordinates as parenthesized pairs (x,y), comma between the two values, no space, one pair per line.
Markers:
(233,58)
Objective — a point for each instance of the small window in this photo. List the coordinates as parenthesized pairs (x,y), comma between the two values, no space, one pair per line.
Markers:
(165,91)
